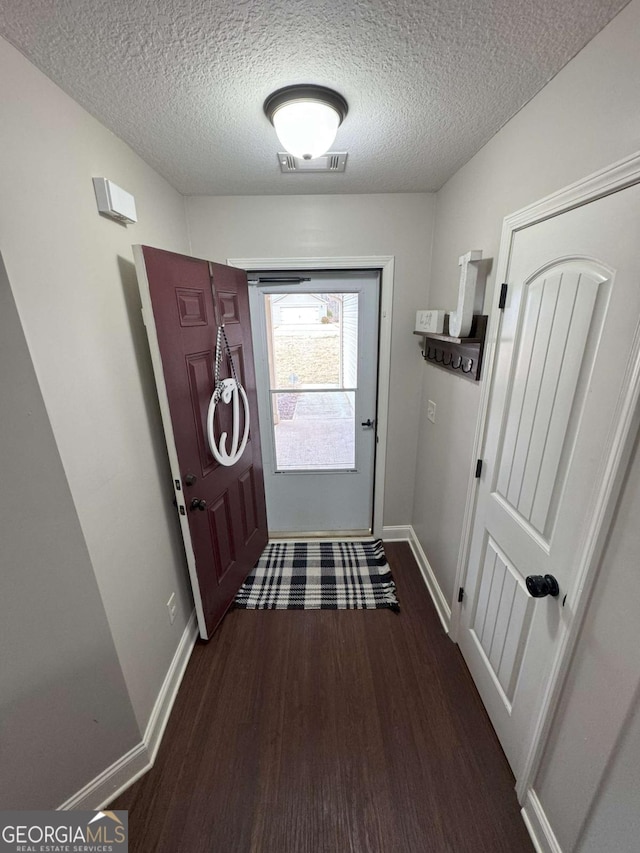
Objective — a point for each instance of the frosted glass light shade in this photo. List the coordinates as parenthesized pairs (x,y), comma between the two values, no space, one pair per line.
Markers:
(306,128)
(306,118)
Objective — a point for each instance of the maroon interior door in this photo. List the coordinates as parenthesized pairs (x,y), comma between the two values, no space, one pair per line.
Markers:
(223,507)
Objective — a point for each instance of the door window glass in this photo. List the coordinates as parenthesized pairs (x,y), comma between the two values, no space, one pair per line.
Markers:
(313,347)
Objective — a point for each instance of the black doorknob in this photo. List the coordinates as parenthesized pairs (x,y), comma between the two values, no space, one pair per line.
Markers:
(539,586)
(198,504)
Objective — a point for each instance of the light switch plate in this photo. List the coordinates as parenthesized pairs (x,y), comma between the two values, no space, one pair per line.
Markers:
(431,411)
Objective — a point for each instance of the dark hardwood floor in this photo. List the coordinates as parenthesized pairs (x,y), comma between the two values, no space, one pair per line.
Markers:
(329,732)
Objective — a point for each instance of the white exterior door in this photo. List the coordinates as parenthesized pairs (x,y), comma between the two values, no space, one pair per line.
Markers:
(563,366)
(316,346)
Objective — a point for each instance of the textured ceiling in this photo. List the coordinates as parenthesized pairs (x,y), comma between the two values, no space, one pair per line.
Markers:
(183,81)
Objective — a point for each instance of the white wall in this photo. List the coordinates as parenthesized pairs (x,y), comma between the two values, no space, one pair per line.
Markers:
(586,118)
(340,226)
(74,284)
(65,713)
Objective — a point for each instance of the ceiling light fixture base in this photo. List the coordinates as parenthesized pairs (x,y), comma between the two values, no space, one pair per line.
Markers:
(309,92)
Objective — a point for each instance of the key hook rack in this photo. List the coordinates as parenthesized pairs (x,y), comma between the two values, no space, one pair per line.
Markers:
(447,358)
(455,341)
(462,356)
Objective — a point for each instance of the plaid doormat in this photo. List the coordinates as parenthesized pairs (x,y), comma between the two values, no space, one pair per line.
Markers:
(320,576)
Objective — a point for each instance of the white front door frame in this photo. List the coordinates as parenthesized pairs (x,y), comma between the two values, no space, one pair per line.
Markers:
(384,263)
(619,176)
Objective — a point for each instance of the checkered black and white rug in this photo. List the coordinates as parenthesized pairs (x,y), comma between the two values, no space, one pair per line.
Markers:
(320,576)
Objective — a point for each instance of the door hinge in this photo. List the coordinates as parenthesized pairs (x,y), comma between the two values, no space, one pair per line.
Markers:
(460,593)
(503,296)
(478,468)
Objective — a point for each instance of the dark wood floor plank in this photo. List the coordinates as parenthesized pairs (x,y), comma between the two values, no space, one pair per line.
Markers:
(329,732)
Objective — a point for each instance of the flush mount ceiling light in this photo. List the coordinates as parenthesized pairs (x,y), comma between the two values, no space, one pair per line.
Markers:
(306,118)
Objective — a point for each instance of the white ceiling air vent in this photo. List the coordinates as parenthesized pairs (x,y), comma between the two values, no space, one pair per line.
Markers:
(332,161)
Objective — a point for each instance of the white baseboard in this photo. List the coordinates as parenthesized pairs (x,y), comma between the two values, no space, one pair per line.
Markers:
(169,690)
(130,767)
(542,835)
(400,533)
(108,784)
(406,533)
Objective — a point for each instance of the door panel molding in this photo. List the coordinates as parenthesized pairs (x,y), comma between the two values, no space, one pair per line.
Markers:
(499,620)
(384,263)
(547,388)
(221,530)
(199,369)
(248,504)
(621,175)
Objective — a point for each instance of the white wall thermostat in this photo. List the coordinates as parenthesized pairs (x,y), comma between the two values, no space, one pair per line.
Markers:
(430,321)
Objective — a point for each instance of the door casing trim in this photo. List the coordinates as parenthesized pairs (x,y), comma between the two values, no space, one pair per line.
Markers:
(384,263)
(620,175)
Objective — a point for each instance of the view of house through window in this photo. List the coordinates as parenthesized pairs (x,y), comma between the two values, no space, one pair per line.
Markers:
(313,370)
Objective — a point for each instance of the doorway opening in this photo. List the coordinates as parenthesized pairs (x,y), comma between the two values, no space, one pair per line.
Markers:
(385,265)
(316,337)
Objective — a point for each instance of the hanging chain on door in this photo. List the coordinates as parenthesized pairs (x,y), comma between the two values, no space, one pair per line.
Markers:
(219,384)
(228,391)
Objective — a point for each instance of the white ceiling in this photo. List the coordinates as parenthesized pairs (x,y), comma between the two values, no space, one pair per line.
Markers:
(183,81)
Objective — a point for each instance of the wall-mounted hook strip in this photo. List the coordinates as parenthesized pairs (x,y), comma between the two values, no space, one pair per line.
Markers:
(461,355)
